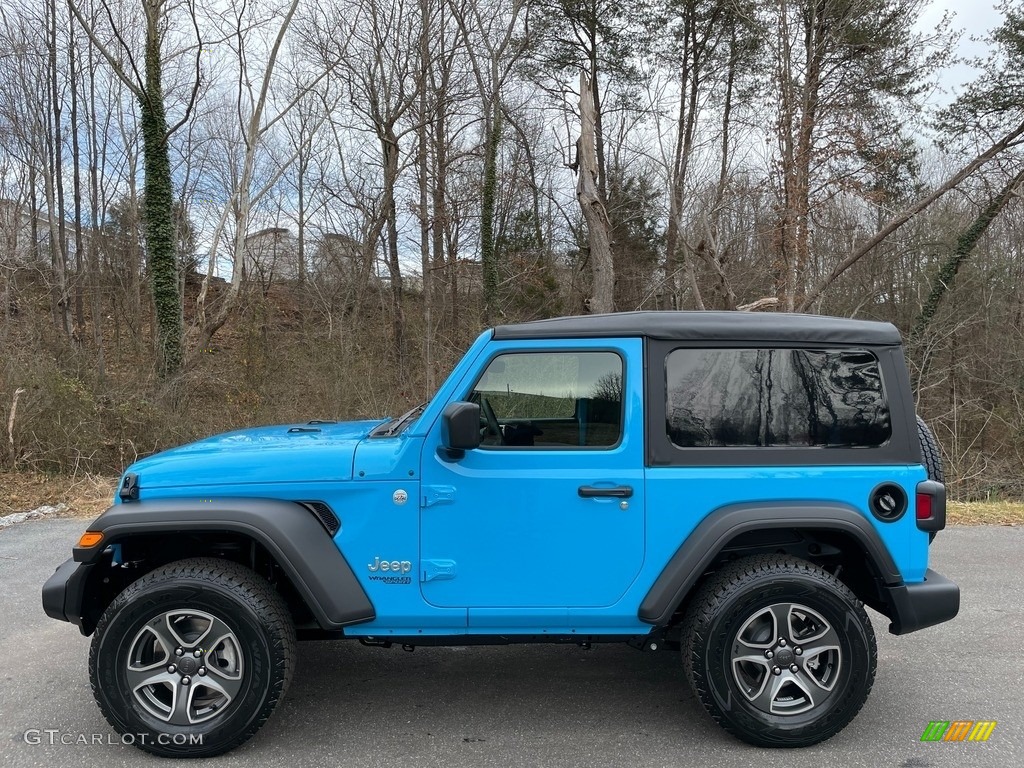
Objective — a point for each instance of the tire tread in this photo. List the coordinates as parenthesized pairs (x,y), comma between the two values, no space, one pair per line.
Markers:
(930,452)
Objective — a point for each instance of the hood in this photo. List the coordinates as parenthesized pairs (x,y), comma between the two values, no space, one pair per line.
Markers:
(295,453)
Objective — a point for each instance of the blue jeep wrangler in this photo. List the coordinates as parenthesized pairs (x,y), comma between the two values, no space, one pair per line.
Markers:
(733,486)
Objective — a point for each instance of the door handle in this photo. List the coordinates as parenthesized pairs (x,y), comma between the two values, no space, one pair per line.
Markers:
(616,492)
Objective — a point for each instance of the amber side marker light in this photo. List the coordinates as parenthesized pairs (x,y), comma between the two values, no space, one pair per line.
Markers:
(90,539)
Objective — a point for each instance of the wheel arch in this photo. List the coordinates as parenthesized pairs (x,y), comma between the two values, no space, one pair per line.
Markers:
(728,532)
(281,535)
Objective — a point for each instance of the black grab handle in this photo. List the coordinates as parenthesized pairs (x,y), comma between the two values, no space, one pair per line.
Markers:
(616,492)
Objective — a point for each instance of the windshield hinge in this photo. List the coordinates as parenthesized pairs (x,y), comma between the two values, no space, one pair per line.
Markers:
(437,570)
(438,494)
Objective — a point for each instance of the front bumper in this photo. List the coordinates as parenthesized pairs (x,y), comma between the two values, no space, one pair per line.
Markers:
(64,594)
(925,604)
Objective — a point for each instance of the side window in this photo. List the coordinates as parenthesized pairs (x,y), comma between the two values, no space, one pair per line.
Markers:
(775,397)
(551,399)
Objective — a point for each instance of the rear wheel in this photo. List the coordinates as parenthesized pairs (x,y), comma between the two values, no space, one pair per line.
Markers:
(779,651)
(192,658)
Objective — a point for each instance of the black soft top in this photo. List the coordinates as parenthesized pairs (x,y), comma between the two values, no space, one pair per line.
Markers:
(755,327)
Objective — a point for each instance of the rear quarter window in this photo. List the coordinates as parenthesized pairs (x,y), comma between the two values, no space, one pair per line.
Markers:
(775,398)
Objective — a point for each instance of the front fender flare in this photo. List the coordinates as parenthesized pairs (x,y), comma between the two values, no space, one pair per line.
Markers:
(702,546)
(289,532)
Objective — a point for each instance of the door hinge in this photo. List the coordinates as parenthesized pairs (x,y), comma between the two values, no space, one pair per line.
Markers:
(438,494)
(437,570)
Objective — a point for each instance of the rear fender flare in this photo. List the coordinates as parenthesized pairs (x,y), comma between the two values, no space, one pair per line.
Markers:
(709,538)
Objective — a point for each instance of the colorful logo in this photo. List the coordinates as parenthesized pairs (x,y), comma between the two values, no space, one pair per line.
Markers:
(958,730)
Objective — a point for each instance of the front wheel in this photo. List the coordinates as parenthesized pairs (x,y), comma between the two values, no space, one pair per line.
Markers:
(779,651)
(191,659)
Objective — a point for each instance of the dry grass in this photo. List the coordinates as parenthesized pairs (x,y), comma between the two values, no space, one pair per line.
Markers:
(84,495)
(985,513)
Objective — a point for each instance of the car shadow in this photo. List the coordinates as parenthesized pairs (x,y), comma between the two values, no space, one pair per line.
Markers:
(510,702)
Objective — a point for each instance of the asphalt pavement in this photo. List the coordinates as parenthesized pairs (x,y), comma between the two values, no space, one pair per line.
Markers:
(533,705)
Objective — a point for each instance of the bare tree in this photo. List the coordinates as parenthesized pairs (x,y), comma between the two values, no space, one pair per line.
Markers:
(142,73)
(840,68)
(495,42)
(252,103)
(1012,139)
(694,54)
(592,204)
(381,77)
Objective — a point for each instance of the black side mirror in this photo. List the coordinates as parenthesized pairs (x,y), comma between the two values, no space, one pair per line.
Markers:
(460,429)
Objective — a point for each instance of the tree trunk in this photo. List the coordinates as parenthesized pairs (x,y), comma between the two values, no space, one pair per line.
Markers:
(76,161)
(676,256)
(134,255)
(54,185)
(158,204)
(33,210)
(427,287)
(488,253)
(301,189)
(389,152)
(814,54)
(95,284)
(784,267)
(439,215)
(593,206)
(714,226)
(597,120)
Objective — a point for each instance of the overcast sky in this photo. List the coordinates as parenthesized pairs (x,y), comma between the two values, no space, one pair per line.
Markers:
(975,18)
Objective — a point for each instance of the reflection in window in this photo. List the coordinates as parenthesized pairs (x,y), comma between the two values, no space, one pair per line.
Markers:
(556,399)
(775,397)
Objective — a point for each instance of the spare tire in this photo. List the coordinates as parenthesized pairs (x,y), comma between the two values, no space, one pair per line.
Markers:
(932,457)
(930,452)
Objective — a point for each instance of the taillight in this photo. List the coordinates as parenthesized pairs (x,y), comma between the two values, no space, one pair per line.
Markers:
(924,506)
(930,506)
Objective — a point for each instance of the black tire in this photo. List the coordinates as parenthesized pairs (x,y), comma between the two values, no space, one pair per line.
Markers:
(229,684)
(932,458)
(817,697)
(930,452)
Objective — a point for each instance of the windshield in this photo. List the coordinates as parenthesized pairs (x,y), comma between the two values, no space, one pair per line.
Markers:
(397,426)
